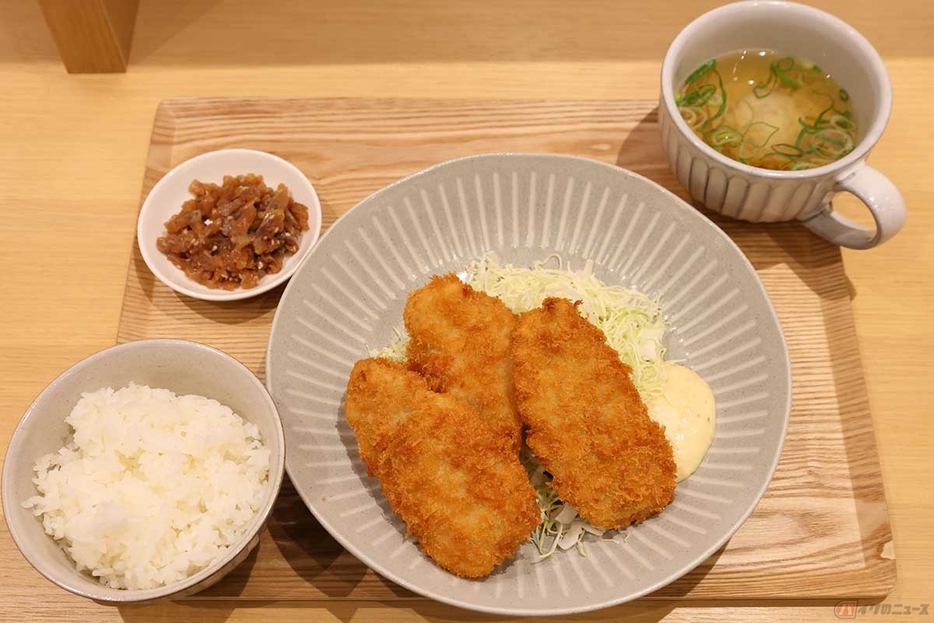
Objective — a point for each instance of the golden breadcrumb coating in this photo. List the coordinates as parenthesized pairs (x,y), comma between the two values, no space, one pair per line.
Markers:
(586,421)
(460,341)
(458,486)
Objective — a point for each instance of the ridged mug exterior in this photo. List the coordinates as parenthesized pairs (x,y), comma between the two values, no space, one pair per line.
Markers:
(760,195)
(734,193)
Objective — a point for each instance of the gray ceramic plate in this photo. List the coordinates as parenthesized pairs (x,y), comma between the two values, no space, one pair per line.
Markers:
(349,294)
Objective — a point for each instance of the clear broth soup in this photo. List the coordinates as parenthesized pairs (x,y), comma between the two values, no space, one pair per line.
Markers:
(769,110)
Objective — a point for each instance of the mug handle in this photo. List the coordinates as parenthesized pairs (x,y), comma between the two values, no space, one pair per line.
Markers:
(882,198)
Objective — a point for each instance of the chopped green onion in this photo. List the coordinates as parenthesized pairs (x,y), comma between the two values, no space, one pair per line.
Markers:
(780,71)
(784,149)
(704,104)
(699,73)
(761,91)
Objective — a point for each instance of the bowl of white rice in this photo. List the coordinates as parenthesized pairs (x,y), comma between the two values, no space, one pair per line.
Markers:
(145,471)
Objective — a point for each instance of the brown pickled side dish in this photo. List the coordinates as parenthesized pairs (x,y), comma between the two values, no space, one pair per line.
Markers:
(229,236)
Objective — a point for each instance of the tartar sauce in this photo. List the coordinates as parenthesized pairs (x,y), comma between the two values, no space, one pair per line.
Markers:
(686,410)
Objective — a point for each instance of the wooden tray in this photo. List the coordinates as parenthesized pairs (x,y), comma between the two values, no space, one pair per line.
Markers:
(822,529)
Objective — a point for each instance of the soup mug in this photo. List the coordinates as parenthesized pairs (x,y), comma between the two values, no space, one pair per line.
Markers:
(753,194)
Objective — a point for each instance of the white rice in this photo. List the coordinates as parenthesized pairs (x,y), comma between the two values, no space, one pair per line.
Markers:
(153,487)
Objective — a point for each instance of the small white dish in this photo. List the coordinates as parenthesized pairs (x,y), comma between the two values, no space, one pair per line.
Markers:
(169,193)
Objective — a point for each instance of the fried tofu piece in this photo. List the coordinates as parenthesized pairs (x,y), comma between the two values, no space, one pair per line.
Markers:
(459,488)
(460,340)
(586,422)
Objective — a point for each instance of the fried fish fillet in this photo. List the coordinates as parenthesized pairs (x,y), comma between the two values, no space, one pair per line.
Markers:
(460,489)
(460,341)
(587,423)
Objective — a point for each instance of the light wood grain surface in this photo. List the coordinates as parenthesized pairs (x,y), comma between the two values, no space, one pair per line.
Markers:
(822,530)
(72,157)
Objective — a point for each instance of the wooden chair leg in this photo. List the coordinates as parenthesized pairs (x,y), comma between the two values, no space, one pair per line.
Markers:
(92,36)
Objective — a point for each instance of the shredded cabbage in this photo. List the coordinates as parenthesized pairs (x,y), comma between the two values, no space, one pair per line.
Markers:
(395,350)
(632,322)
(561,527)
(634,326)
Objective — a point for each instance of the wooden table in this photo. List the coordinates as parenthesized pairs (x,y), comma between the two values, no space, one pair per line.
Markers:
(73,149)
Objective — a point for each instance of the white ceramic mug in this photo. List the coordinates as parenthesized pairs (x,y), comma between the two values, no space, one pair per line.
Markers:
(762,195)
